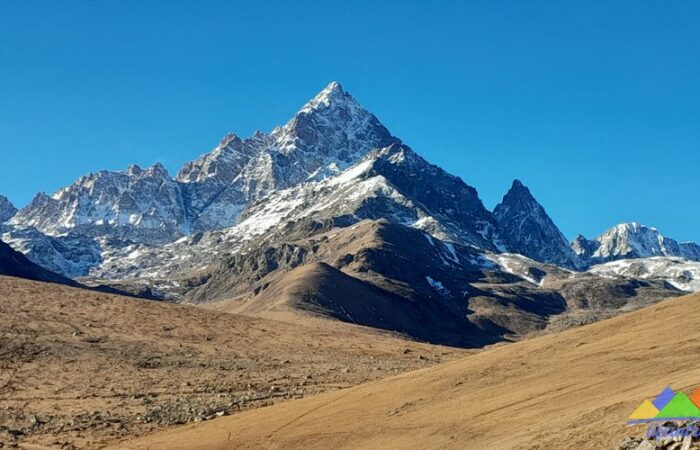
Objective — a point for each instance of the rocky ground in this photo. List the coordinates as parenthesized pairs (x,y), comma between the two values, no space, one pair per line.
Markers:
(684,436)
(98,368)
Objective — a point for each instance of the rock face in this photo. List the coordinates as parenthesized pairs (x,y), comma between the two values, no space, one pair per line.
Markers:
(140,205)
(330,133)
(632,240)
(70,254)
(15,264)
(528,230)
(7,209)
(392,183)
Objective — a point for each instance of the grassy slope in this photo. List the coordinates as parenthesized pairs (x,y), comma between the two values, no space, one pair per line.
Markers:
(109,357)
(569,390)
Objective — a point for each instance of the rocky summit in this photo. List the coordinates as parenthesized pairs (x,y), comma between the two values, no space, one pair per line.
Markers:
(632,240)
(529,231)
(7,209)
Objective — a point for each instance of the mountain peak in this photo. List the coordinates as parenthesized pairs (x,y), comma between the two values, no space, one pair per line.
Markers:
(528,230)
(134,169)
(333,93)
(634,226)
(519,189)
(159,168)
(228,139)
(629,240)
(7,209)
(334,127)
(334,86)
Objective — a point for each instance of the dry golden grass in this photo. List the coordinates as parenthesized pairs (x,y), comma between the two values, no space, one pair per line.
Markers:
(572,390)
(111,367)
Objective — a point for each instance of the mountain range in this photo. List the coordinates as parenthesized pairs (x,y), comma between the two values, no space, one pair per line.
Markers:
(334,188)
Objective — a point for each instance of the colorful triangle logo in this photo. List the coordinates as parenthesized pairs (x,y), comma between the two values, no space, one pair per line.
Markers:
(645,411)
(664,397)
(680,407)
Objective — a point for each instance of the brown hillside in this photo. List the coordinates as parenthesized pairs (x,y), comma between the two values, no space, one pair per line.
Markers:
(320,290)
(572,390)
(101,367)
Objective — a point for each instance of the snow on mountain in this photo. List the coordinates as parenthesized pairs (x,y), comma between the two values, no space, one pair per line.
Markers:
(330,133)
(632,240)
(140,205)
(7,209)
(391,183)
(332,160)
(71,255)
(679,272)
(527,229)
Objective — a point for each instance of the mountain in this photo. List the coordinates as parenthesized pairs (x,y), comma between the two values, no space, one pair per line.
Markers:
(70,254)
(526,229)
(678,272)
(392,183)
(139,205)
(632,240)
(148,207)
(333,159)
(333,163)
(15,264)
(411,282)
(328,134)
(415,282)
(7,209)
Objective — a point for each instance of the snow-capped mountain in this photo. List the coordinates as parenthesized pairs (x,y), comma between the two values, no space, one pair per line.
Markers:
(333,158)
(527,229)
(678,272)
(632,240)
(330,133)
(332,162)
(391,183)
(140,205)
(7,209)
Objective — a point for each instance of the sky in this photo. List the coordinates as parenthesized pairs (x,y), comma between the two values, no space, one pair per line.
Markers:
(593,105)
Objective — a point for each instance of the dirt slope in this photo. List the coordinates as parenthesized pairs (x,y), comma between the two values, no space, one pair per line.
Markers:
(321,290)
(399,278)
(570,390)
(101,367)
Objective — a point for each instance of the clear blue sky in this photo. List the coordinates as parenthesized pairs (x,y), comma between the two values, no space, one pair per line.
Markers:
(594,105)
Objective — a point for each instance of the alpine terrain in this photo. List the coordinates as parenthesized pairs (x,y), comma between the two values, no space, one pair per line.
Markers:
(334,190)
(318,256)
